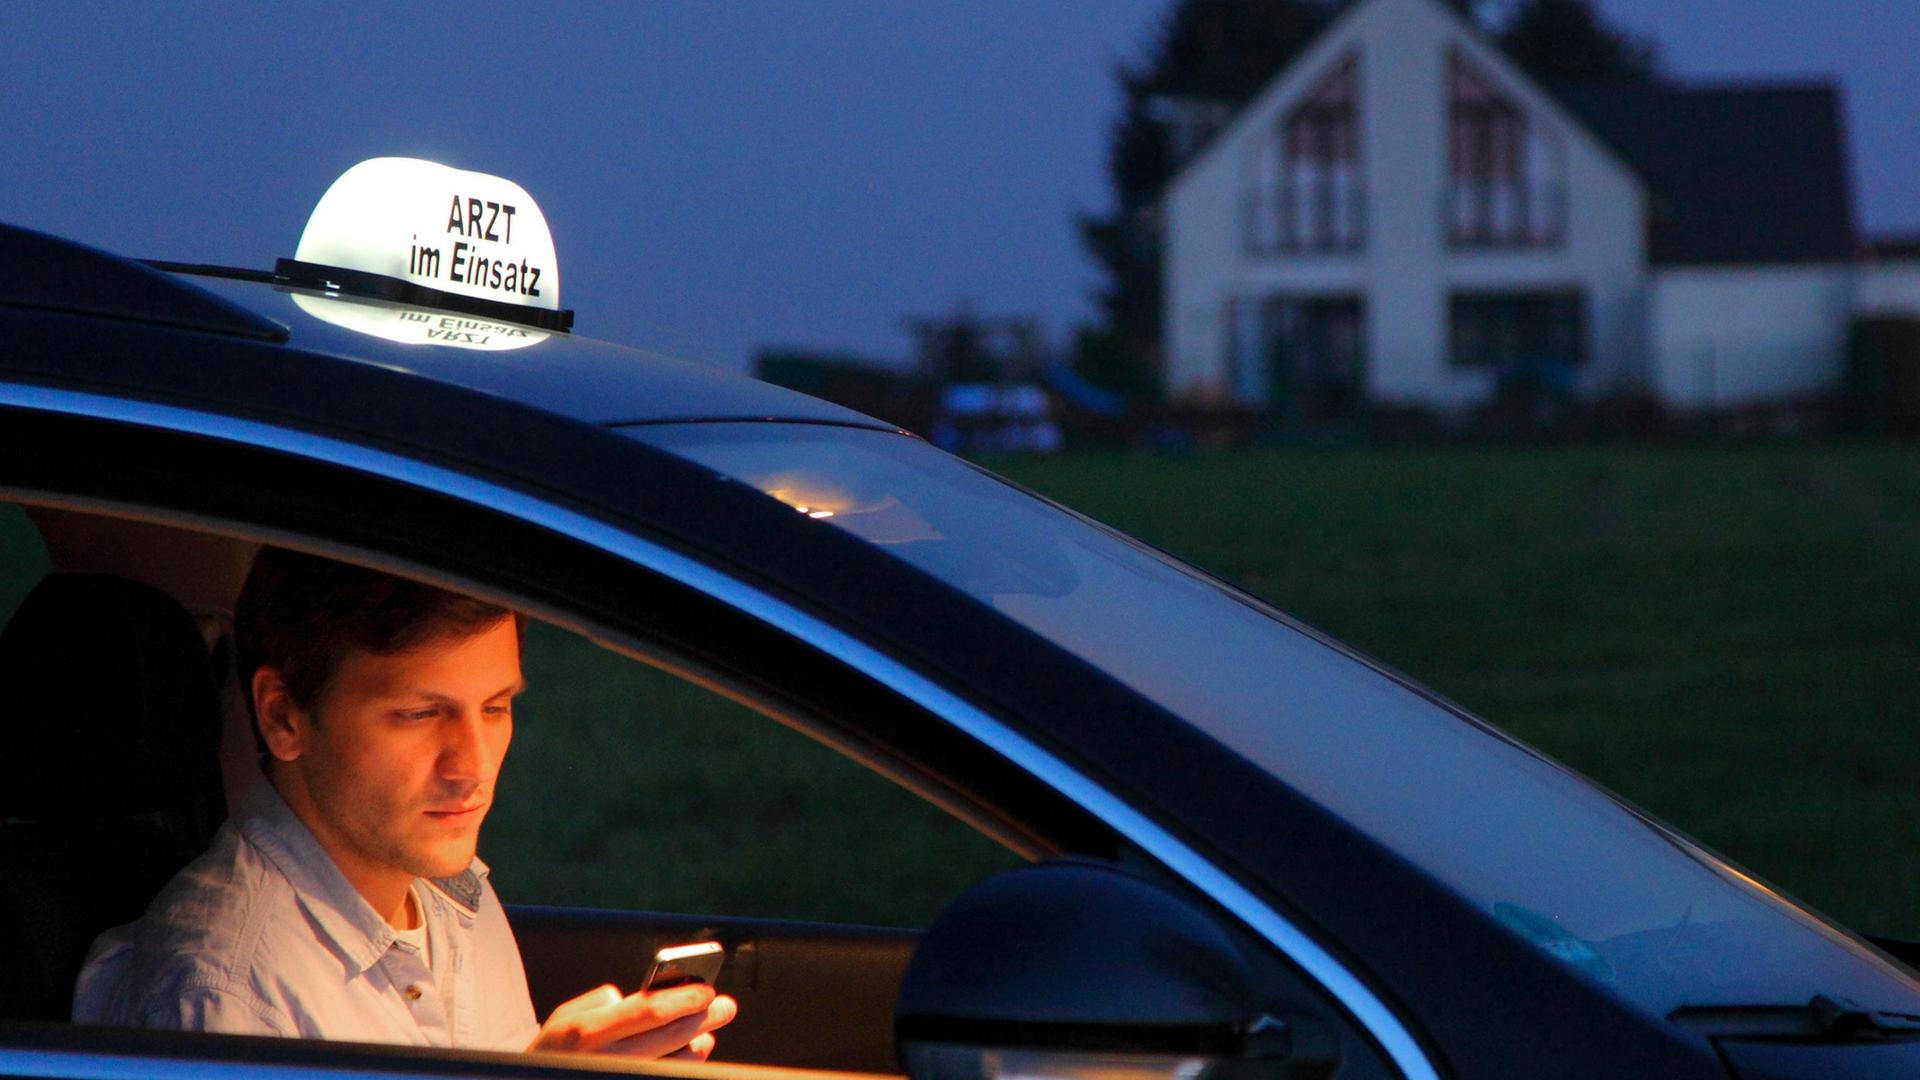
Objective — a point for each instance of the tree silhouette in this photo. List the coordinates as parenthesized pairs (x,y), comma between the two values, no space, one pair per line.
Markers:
(1566,41)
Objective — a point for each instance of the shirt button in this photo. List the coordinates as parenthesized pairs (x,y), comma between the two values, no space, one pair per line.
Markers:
(414,992)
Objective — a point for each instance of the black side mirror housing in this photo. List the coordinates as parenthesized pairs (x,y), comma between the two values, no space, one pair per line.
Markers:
(1076,968)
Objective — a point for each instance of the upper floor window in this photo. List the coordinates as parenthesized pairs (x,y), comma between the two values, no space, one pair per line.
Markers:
(1506,178)
(1312,196)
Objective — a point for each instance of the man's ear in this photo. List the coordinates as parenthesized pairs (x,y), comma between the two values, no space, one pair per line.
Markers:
(283,724)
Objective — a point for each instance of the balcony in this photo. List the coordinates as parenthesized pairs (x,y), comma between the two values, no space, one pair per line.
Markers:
(1328,217)
(1504,214)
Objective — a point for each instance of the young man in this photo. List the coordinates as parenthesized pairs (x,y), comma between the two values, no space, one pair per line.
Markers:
(345,901)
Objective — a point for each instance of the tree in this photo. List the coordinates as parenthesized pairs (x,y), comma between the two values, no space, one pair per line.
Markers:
(1566,41)
(1227,50)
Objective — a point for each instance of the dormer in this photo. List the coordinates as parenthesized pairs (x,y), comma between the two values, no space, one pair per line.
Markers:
(1506,175)
(1307,188)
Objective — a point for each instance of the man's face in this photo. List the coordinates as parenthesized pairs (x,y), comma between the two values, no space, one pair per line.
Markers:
(402,751)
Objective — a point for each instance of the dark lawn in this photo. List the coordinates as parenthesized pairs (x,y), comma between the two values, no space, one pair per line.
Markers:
(1729,637)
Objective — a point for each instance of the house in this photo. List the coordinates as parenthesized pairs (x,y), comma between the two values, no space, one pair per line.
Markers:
(1403,216)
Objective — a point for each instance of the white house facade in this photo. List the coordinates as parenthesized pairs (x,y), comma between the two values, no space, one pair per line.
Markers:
(1402,216)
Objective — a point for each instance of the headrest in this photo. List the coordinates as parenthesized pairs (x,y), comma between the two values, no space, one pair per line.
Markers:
(107,702)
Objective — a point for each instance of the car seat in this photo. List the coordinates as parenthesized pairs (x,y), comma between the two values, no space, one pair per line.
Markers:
(109,772)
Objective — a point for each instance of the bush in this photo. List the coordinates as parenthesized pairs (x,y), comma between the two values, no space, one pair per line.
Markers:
(1108,359)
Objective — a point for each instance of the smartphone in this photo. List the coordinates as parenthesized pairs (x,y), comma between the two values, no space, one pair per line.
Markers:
(676,965)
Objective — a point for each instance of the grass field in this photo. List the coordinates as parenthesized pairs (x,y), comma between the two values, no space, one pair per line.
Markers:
(1729,637)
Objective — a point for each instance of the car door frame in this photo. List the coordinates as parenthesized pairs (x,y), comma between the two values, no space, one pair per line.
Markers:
(990,735)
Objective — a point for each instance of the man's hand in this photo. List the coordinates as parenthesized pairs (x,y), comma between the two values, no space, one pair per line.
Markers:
(677,1022)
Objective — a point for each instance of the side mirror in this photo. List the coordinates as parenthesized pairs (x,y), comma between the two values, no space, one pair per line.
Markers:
(1083,971)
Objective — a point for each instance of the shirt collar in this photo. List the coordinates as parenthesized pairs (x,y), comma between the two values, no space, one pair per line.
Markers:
(356,931)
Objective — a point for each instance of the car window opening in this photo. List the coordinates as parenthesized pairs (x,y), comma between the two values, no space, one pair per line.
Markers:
(600,739)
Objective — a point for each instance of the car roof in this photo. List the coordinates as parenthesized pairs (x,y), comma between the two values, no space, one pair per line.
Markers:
(561,373)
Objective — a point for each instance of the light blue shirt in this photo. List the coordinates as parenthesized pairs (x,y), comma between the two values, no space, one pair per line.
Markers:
(262,935)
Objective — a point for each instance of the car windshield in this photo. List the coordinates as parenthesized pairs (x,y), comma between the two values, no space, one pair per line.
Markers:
(1542,850)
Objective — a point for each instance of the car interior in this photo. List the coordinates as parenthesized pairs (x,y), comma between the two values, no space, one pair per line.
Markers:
(128,742)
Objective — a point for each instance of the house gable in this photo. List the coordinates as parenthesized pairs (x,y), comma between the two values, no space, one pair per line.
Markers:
(1348,35)
(1436,225)
(1452,278)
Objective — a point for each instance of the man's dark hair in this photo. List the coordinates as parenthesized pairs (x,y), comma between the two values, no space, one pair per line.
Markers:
(302,615)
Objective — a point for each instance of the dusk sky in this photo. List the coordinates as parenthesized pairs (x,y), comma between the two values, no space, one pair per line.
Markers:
(722,176)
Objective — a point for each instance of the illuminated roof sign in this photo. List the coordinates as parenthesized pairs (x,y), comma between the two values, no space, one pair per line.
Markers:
(422,234)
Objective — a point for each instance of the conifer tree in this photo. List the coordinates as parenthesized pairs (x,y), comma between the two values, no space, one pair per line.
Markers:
(1566,41)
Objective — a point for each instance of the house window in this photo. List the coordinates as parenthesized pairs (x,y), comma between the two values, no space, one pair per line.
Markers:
(1317,200)
(1543,332)
(1506,179)
(1301,358)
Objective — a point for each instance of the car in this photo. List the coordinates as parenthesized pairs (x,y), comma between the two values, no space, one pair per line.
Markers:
(1246,849)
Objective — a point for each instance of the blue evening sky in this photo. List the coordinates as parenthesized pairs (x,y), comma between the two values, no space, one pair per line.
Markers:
(720,176)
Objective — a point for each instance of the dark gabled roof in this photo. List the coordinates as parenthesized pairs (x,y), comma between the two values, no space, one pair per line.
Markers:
(1735,174)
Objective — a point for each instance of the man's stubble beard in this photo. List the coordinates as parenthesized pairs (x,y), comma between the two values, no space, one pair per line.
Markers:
(377,834)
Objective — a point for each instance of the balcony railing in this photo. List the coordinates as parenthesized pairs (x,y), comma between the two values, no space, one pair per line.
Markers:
(1504,214)
(1291,220)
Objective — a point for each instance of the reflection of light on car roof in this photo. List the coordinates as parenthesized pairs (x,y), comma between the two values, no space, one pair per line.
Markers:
(418,326)
(883,521)
(805,497)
